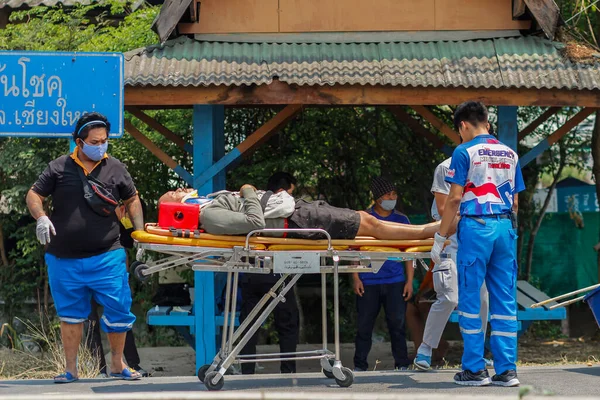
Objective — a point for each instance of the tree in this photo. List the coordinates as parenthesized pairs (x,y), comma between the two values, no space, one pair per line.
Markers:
(78,28)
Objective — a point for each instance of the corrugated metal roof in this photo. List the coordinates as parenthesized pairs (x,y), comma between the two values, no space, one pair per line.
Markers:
(524,62)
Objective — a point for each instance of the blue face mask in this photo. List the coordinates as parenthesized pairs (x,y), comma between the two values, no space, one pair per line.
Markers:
(95,153)
(388,205)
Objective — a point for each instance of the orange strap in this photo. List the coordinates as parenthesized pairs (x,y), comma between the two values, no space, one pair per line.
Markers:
(427,282)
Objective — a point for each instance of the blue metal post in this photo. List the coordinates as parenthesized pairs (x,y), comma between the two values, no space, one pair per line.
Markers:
(209,146)
(72,145)
(508,131)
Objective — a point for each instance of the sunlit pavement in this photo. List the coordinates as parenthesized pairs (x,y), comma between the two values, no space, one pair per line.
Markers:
(571,381)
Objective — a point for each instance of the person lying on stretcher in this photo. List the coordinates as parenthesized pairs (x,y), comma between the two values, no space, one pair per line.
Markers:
(239,213)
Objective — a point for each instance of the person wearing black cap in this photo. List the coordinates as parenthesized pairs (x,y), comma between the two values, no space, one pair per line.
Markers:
(391,287)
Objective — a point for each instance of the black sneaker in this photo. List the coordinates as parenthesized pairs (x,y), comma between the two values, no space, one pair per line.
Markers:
(468,378)
(507,379)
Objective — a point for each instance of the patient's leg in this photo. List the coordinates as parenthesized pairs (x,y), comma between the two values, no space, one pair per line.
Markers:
(371,226)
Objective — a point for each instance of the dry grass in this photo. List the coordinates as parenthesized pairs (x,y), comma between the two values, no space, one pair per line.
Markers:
(25,364)
(580,53)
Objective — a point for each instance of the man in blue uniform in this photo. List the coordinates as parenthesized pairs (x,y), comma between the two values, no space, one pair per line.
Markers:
(391,287)
(486,178)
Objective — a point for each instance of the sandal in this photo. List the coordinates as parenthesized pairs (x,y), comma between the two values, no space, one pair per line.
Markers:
(67,377)
(128,374)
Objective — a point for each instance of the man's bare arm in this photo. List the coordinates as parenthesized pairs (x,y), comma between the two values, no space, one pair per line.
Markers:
(515,206)
(451,208)
(35,204)
(136,215)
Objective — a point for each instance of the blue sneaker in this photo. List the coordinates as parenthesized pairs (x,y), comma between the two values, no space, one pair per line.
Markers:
(422,362)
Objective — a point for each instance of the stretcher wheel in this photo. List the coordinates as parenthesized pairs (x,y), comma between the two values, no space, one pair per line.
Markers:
(208,381)
(202,372)
(348,381)
(138,268)
(327,373)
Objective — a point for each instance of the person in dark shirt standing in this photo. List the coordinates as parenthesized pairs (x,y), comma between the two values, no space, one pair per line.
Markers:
(391,287)
(255,286)
(84,256)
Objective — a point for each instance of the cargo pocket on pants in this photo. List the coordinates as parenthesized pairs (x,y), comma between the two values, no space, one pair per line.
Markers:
(444,277)
(467,277)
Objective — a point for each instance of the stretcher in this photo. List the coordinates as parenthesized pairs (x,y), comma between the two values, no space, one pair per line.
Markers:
(291,258)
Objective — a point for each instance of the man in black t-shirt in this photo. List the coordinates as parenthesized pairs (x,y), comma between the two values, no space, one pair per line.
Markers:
(84,256)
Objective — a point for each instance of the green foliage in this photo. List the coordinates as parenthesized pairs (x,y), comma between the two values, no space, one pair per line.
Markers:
(94,27)
(335,152)
(112,26)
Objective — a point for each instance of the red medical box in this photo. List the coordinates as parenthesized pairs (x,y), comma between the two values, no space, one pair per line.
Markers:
(178,215)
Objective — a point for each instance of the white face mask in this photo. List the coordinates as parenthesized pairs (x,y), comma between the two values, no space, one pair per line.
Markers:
(388,205)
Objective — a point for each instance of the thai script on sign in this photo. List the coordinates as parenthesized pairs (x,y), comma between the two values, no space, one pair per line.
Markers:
(38,99)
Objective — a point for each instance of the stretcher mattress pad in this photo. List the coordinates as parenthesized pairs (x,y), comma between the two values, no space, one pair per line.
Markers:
(158,235)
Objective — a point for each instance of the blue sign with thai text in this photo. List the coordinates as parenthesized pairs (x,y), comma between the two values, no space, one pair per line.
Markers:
(43,94)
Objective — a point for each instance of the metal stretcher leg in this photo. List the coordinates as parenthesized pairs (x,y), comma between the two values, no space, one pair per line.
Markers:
(233,310)
(343,376)
(230,335)
(214,379)
(326,362)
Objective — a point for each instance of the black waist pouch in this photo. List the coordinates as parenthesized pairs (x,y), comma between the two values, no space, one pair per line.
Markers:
(97,196)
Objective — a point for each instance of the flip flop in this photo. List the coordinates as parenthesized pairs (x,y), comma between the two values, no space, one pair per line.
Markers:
(128,374)
(67,377)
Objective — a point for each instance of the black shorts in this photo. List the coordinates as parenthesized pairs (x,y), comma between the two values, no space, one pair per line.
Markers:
(340,223)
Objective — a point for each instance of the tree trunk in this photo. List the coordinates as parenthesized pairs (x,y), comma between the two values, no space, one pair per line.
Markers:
(596,167)
(3,255)
(530,244)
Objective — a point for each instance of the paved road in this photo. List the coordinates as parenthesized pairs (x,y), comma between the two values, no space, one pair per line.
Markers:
(572,381)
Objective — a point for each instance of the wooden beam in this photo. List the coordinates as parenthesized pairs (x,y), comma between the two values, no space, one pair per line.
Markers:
(570,124)
(437,123)
(154,149)
(154,124)
(538,121)
(518,8)
(280,93)
(170,13)
(547,15)
(251,143)
(557,135)
(416,127)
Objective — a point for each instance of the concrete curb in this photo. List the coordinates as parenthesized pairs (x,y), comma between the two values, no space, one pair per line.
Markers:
(271,396)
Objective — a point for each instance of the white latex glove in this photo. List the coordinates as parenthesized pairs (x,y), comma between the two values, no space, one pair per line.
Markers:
(43,229)
(438,245)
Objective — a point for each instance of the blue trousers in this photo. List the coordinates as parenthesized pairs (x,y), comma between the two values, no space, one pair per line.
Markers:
(389,296)
(487,252)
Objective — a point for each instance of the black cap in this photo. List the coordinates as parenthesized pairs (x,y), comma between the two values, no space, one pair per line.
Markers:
(381,186)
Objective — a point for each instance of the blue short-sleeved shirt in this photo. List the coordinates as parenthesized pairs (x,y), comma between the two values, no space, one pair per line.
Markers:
(490,174)
(391,271)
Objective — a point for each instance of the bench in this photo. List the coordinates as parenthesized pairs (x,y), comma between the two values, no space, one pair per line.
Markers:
(182,319)
(527,295)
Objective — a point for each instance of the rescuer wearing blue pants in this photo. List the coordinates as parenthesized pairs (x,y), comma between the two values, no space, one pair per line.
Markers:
(486,178)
